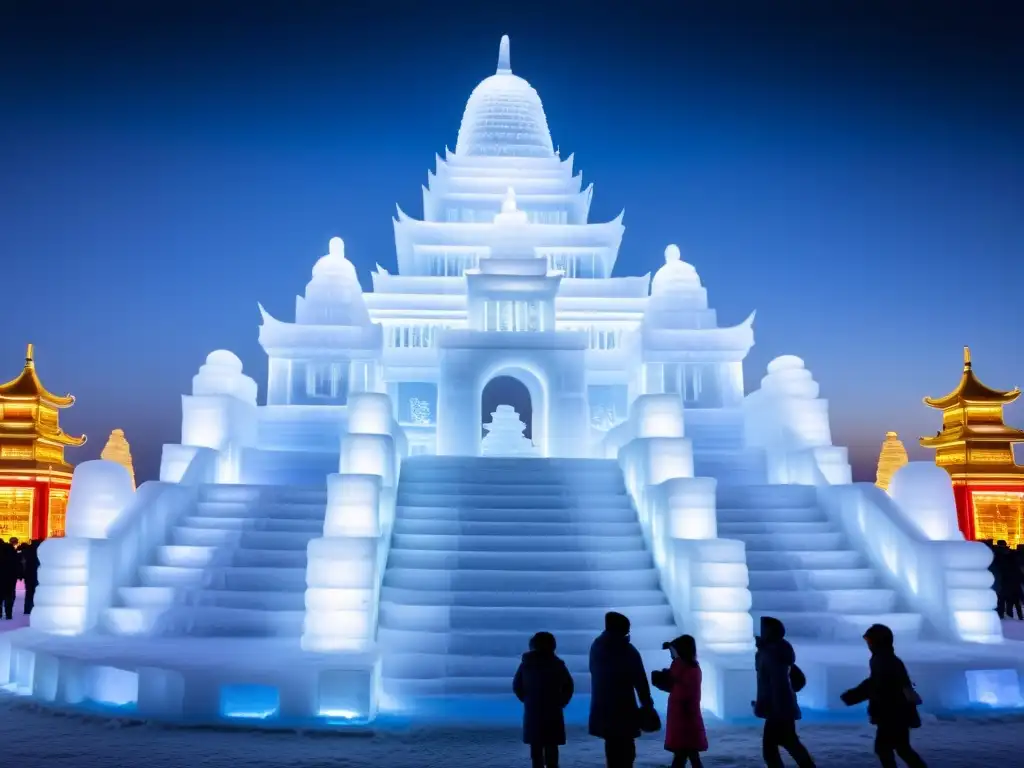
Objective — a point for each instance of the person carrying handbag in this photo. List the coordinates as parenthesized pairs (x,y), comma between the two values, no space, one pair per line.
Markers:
(892,700)
(685,736)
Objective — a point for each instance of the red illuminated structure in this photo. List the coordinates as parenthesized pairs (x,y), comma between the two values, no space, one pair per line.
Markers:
(976,448)
(35,479)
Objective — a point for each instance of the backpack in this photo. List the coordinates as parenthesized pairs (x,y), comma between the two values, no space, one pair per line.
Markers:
(797,678)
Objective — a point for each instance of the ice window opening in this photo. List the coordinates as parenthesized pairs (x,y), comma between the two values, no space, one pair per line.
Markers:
(249,702)
(324,380)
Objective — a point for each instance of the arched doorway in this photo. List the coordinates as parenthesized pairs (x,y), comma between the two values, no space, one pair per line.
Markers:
(507,390)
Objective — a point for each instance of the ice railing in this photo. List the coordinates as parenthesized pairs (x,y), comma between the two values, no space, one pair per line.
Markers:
(111,530)
(705,578)
(912,536)
(345,566)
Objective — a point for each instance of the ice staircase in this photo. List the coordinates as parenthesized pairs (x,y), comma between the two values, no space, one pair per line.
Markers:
(802,569)
(234,567)
(487,551)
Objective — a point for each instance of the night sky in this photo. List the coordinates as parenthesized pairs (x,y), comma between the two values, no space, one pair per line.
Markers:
(856,177)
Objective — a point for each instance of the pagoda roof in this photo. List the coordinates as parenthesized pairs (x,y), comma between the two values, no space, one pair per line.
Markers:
(970,389)
(27,385)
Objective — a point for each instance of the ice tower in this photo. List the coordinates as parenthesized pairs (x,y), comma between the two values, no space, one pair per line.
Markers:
(356,543)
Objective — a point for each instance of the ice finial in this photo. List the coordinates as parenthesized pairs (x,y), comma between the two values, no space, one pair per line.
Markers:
(30,356)
(336,248)
(967,358)
(672,253)
(504,57)
(508,205)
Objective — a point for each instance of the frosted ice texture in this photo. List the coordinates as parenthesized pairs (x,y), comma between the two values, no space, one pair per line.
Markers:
(925,492)
(505,434)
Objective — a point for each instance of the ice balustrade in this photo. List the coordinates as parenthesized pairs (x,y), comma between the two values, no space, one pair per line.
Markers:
(111,531)
(704,577)
(345,566)
(909,534)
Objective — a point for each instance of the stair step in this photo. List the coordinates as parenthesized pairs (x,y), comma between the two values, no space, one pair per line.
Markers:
(455,618)
(279,511)
(514,581)
(802,559)
(843,626)
(767,496)
(285,494)
(514,561)
(812,579)
(463,686)
(510,643)
(157,597)
(188,536)
(851,601)
(414,527)
(770,515)
(520,500)
(731,530)
(427,666)
(202,557)
(469,486)
(583,598)
(529,544)
(202,621)
(792,542)
(554,515)
(228,577)
(265,524)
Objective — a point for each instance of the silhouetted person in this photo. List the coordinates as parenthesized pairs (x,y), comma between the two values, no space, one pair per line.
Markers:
(30,573)
(617,679)
(10,572)
(892,700)
(1008,581)
(545,687)
(776,700)
(685,736)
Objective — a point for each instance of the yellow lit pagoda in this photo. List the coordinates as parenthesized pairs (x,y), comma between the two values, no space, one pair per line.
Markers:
(35,479)
(976,448)
(118,450)
(892,457)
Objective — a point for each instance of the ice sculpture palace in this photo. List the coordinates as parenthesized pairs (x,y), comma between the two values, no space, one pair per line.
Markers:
(360,544)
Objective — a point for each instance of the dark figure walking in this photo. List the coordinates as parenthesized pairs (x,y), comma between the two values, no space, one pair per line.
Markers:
(10,572)
(1008,581)
(545,687)
(30,573)
(776,701)
(685,736)
(617,678)
(892,700)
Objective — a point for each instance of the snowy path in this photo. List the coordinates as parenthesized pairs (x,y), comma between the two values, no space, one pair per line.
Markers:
(30,738)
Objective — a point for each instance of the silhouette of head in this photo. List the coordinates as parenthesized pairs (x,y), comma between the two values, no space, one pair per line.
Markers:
(879,637)
(616,624)
(772,629)
(543,642)
(1001,543)
(683,647)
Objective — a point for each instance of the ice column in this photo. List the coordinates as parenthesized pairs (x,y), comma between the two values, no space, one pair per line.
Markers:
(790,422)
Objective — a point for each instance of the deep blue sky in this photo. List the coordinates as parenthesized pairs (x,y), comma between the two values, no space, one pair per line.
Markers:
(855,176)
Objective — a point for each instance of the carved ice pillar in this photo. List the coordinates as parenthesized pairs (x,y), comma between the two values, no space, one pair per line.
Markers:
(790,422)
(219,414)
(344,566)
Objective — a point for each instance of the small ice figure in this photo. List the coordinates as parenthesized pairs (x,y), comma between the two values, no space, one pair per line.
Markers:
(505,434)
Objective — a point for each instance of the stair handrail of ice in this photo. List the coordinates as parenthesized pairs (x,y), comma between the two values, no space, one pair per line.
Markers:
(704,577)
(111,529)
(346,565)
(911,535)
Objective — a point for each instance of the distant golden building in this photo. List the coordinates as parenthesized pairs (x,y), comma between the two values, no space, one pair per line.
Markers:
(892,457)
(976,448)
(35,479)
(118,450)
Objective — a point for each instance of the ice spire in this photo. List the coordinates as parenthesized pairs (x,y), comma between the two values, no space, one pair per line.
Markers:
(504,57)
(510,213)
(118,450)
(508,205)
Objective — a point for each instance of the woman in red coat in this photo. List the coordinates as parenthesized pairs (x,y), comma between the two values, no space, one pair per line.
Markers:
(685,736)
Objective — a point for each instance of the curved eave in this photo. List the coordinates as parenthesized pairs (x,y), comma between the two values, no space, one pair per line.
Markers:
(970,390)
(28,386)
(65,439)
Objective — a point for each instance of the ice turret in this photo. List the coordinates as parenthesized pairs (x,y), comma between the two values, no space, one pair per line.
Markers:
(221,410)
(510,213)
(504,57)
(333,296)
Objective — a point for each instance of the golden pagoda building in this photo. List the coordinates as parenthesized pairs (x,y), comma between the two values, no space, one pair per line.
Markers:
(35,478)
(975,446)
(892,457)
(118,450)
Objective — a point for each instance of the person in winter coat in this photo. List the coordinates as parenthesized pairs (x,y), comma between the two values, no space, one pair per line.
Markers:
(892,700)
(1008,581)
(685,736)
(10,572)
(30,573)
(545,687)
(617,679)
(776,701)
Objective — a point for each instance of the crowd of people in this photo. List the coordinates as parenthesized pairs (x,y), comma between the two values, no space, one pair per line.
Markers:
(1008,580)
(18,562)
(621,706)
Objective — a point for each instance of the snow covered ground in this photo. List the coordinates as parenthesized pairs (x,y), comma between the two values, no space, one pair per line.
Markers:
(30,737)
